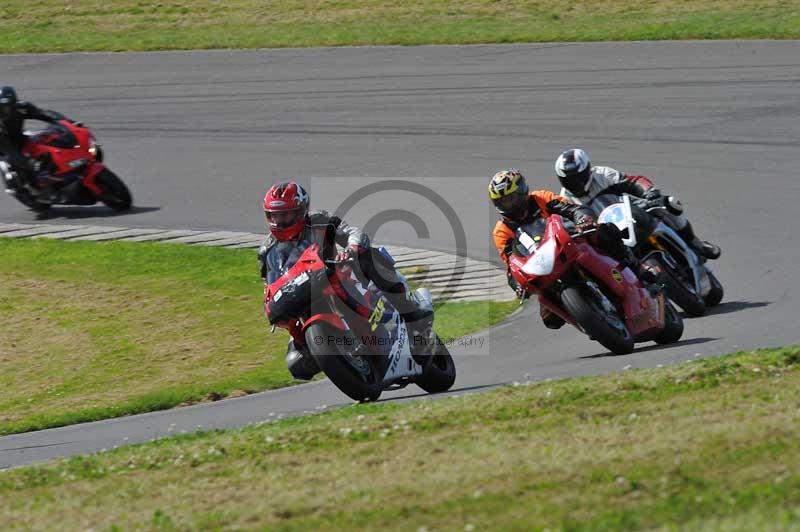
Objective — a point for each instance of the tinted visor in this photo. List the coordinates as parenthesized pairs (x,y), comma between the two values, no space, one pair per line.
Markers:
(283,219)
(511,204)
(576,182)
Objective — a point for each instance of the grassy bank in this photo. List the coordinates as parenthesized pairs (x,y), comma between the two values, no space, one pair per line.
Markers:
(90,331)
(706,445)
(42,26)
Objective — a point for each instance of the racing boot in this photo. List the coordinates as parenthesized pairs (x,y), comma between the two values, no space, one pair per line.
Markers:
(418,316)
(300,362)
(701,247)
(609,239)
(649,277)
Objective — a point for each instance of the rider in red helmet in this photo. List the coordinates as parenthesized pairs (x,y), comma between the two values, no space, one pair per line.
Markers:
(289,220)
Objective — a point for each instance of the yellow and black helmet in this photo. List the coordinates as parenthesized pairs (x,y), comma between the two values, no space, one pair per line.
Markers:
(508,191)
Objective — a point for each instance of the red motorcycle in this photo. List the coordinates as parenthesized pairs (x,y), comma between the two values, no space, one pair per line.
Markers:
(590,290)
(352,332)
(70,160)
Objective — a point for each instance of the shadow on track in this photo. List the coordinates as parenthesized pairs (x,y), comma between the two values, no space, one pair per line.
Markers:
(465,389)
(735,306)
(96,211)
(655,347)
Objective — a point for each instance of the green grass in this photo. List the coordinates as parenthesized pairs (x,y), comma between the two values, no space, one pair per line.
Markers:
(44,26)
(90,331)
(708,445)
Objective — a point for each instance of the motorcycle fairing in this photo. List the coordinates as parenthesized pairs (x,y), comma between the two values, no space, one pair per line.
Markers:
(297,268)
(74,144)
(702,284)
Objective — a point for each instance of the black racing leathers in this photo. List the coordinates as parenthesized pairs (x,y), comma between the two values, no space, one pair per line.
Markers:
(12,138)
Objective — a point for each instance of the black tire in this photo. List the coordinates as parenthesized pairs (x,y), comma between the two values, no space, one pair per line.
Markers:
(115,193)
(673,326)
(677,291)
(440,374)
(366,385)
(593,319)
(714,296)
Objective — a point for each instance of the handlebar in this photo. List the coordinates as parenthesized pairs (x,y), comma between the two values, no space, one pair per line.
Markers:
(334,263)
(665,203)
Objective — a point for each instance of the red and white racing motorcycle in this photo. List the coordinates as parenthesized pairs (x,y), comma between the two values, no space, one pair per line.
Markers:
(352,332)
(590,290)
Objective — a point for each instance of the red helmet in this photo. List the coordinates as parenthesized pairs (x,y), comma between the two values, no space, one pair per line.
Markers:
(286,206)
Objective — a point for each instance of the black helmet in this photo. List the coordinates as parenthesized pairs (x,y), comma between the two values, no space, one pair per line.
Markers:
(508,191)
(574,169)
(8,102)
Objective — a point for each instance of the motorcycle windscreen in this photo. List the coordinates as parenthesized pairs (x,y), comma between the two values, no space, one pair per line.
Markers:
(57,136)
(294,297)
(282,256)
(621,215)
(529,236)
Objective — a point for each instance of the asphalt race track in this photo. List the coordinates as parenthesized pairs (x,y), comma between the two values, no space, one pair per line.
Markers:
(198,135)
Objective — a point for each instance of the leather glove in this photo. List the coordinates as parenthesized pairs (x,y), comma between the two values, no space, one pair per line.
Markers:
(653,195)
(348,254)
(585,223)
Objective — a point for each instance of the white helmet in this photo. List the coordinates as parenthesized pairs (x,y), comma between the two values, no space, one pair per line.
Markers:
(574,170)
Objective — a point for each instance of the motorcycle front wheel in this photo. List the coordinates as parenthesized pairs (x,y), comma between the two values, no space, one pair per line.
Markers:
(440,373)
(115,193)
(358,377)
(590,313)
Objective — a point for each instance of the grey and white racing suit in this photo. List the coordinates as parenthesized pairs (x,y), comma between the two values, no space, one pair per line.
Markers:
(607,184)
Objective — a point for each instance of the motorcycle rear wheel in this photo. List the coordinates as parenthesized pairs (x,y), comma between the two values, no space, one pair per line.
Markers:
(579,303)
(440,373)
(365,385)
(677,291)
(115,193)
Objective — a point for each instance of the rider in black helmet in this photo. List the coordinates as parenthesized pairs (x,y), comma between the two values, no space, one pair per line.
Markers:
(13,114)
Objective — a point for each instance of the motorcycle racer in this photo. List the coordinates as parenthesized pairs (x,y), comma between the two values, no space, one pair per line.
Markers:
(286,208)
(586,184)
(508,191)
(13,114)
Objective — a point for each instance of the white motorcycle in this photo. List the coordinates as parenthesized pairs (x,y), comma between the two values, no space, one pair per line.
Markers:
(688,280)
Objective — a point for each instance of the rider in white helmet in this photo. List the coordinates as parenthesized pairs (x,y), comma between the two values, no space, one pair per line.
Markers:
(599,186)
